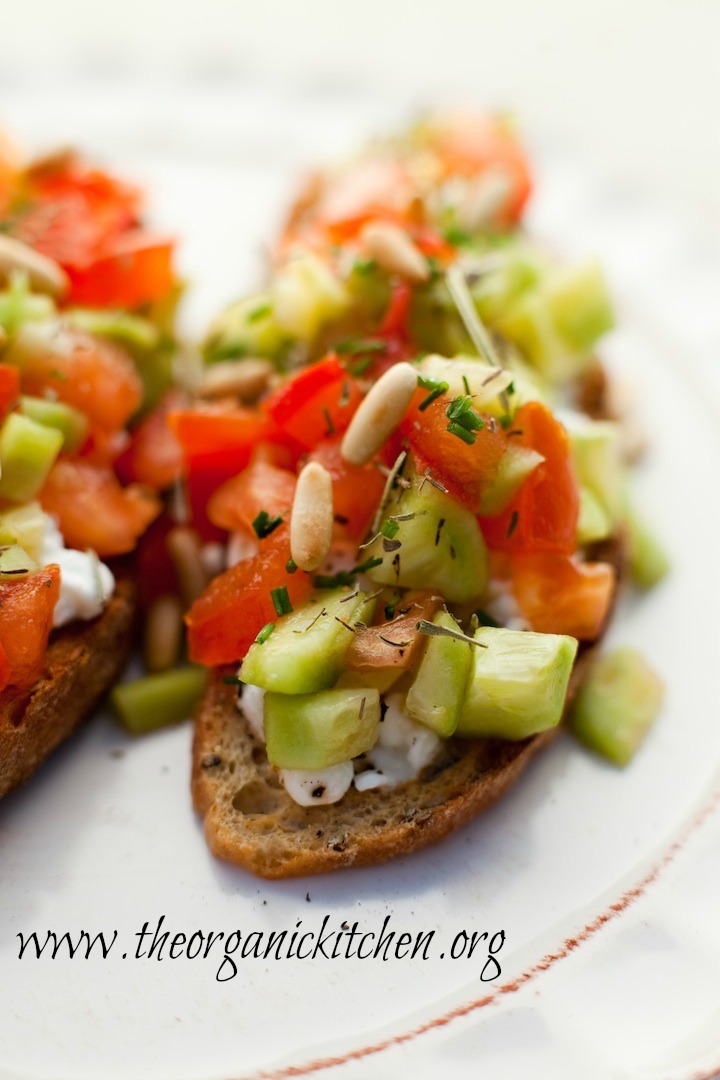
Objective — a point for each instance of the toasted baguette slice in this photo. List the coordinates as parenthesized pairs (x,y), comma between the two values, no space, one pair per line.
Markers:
(251,821)
(83,661)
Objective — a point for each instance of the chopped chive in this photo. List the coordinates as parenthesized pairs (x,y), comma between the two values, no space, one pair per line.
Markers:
(466,384)
(505,422)
(360,346)
(281,600)
(389,612)
(265,633)
(291,566)
(390,528)
(514,518)
(264,524)
(467,436)
(436,388)
(260,312)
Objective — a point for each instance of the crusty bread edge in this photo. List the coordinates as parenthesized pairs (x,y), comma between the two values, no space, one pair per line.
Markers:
(83,661)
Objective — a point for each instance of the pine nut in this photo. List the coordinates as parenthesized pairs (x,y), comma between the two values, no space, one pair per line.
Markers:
(246,379)
(379,414)
(44,274)
(311,523)
(394,251)
(163,633)
(184,547)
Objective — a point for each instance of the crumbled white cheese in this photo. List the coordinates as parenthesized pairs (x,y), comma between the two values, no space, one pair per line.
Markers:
(501,605)
(371,778)
(240,546)
(251,704)
(86,584)
(319,787)
(403,747)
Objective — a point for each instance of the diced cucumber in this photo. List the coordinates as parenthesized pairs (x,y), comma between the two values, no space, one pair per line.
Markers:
(580,305)
(24,525)
(246,328)
(27,453)
(440,544)
(485,383)
(314,731)
(15,563)
(557,323)
(520,269)
(593,519)
(121,326)
(306,650)
(19,304)
(73,424)
(597,457)
(649,563)
(616,705)
(436,695)
(158,700)
(517,684)
(516,464)
(380,680)
(306,295)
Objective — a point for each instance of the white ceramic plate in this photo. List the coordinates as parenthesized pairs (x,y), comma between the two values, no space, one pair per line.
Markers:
(104,837)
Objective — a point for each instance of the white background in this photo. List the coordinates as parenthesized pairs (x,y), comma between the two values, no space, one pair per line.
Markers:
(624,93)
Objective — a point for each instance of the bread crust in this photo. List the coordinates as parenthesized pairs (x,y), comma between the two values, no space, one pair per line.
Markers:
(83,661)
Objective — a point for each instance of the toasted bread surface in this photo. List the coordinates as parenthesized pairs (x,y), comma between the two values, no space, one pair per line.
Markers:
(83,661)
(251,821)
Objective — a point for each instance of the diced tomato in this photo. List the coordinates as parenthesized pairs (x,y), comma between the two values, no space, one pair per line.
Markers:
(226,619)
(9,389)
(94,511)
(217,444)
(370,649)
(319,400)
(154,456)
(466,471)
(5,672)
(88,222)
(477,146)
(543,514)
(218,430)
(133,269)
(357,489)
(395,320)
(27,610)
(236,504)
(560,596)
(94,375)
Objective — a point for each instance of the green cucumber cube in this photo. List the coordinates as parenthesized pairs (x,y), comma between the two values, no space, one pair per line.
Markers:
(617,704)
(314,731)
(73,424)
(438,544)
(24,525)
(518,683)
(516,464)
(598,462)
(594,522)
(15,563)
(27,453)
(436,695)
(649,563)
(306,650)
